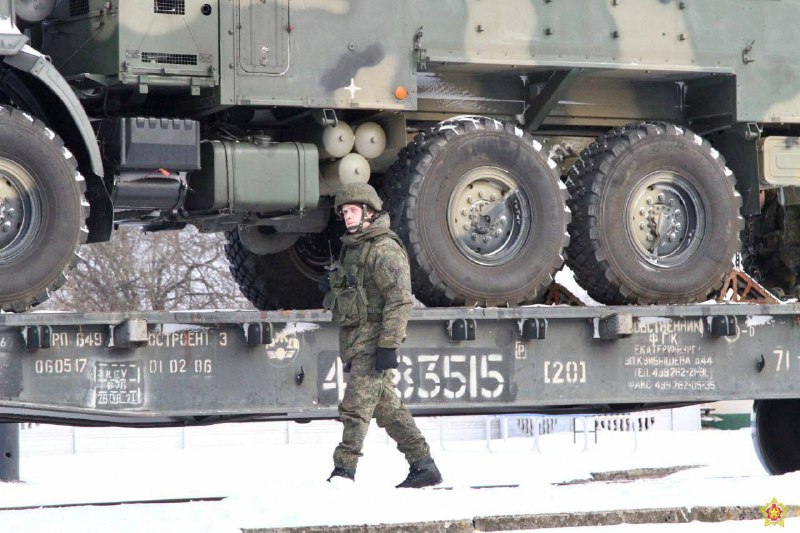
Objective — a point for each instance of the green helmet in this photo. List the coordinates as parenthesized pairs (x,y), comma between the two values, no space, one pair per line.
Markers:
(358,193)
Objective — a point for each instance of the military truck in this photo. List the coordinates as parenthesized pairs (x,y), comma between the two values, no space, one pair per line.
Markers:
(634,139)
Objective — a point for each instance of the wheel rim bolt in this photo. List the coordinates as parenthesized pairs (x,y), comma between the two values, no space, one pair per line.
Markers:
(642,225)
(661,197)
(677,212)
(649,201)
(469,199)
(486,239)
(493,197)
(6,227)
(480,194)
(497,233)
(11,212)
(463,212)
(671,202)
(642,211)
(466,227)
(474,236)
(672,238)
(650,238)
(503,220)
(678,226)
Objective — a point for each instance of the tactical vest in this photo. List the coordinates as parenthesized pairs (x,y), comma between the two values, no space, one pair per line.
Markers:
(350,302)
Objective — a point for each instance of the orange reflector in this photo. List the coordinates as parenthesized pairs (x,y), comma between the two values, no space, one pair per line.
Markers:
(164,171)
(401,93)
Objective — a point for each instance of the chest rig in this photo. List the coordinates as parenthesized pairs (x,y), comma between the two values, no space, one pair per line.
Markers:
(350,300)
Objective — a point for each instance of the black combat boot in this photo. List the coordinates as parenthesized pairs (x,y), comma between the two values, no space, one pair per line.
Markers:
(423,473)
(343,472)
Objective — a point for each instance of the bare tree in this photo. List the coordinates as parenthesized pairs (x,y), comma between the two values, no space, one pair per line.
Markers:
(155,271)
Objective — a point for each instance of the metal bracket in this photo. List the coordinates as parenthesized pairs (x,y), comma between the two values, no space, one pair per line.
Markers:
(419,50)
(37,337)
(722,326)
(544,102)
(615,326)
(258,333)
(533,329)
(326,117)
(128,334)
(752,131)
(461,329)
(746,57)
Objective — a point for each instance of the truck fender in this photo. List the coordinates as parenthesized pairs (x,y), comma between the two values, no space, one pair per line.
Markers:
(34,63)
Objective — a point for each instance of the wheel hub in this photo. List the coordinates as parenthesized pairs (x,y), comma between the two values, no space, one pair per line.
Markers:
(664,217)
(11,212)
(20,208)
(487,216)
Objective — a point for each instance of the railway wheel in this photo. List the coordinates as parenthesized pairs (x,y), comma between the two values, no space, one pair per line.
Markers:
(42,211)
(655,217)
(775,427)
(482,212)
(286,279)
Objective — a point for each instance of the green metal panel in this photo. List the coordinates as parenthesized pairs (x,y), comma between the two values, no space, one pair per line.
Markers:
(263,36)
(341,54)
(273,176)
(147,368)
(141,43)
(249,177)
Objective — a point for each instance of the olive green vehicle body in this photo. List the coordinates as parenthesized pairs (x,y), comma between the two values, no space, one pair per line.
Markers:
(733,59)
(552,64)
(252,83)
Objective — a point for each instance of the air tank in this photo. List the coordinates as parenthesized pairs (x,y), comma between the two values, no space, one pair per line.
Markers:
(336,141)
(33,11)
(370,140)
(352,168)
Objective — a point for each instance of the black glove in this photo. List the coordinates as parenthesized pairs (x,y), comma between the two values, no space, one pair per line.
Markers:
(386,358)
(324,284)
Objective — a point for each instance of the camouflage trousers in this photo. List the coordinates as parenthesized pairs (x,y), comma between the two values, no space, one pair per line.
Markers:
(369,394)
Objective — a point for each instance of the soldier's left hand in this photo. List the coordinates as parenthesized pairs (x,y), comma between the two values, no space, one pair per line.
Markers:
(324,284)
(386,358)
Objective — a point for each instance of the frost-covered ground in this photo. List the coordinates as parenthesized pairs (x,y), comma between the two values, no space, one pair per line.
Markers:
(268,482)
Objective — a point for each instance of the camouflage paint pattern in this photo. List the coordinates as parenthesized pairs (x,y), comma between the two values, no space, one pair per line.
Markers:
(353,54)
(371,393)
(710,64)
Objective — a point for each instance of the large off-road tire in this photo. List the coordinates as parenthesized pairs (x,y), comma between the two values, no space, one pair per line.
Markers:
(655,217)
(775,429)
(482,212)
(43,211)
(284,280)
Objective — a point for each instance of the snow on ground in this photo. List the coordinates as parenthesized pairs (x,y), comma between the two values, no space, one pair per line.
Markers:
(268,482)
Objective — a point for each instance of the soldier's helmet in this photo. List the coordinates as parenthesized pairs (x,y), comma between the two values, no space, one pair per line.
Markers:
(358,193)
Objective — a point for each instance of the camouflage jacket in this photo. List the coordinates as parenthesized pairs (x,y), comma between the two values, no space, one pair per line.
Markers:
(386,283)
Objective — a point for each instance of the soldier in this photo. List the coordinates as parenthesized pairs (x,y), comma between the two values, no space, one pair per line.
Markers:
(369,295)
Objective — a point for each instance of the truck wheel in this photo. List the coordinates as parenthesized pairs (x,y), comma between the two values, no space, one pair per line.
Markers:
(775,427)
(483,214)
(655,217)
(42,211)
(284,280)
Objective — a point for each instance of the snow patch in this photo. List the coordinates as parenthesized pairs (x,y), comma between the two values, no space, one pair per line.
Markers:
(296,328)
(566,278)
(645,320)
(179,328)
(758,320)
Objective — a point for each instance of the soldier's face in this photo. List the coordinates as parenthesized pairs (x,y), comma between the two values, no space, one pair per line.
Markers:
(351,214)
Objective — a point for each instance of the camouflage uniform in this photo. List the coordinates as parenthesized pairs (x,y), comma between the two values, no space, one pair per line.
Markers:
(370,392)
